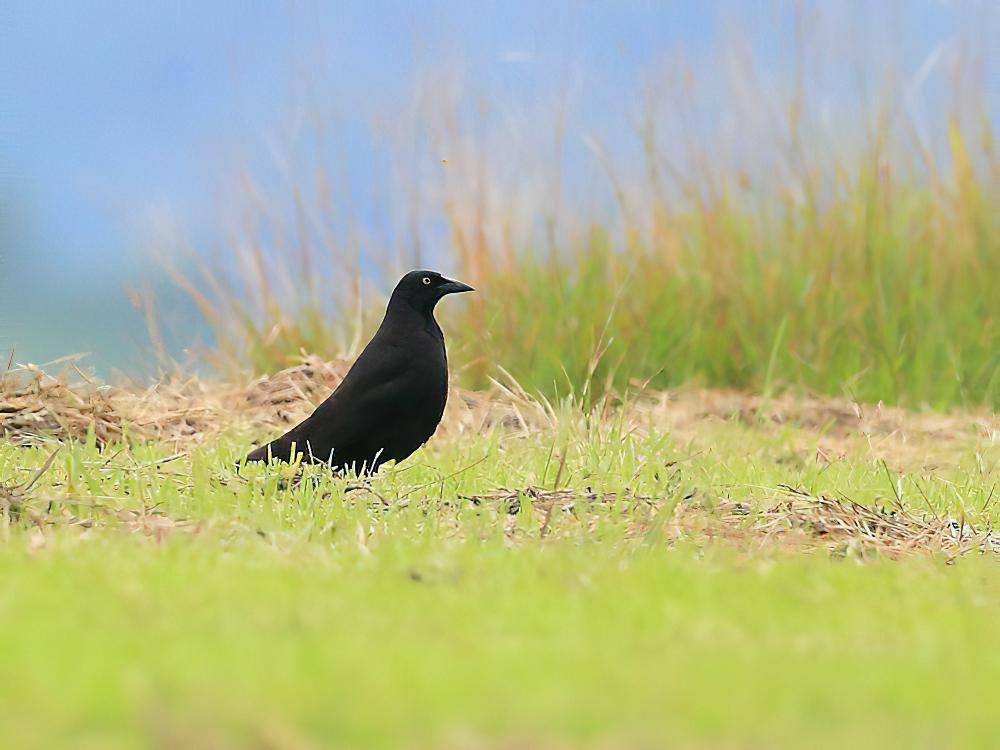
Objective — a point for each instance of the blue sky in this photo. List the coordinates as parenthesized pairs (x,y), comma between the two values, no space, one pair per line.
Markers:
(113,110)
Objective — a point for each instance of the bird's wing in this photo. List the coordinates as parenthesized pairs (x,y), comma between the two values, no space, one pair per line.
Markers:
(373,391)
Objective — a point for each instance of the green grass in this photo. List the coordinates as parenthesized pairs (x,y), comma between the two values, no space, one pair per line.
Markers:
(407,615)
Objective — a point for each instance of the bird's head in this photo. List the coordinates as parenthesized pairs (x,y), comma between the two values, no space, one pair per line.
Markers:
(423,289)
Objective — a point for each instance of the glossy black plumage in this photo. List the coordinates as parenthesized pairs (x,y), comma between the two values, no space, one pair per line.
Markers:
(392,399)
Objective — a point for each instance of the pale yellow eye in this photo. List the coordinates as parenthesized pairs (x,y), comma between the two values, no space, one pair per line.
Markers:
(426,280)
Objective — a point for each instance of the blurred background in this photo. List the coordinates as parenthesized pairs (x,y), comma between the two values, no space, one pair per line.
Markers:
(755,195)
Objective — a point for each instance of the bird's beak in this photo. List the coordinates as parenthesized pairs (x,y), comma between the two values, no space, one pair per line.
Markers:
(454,287)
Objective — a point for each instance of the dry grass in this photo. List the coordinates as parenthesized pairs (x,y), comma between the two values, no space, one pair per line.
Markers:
(183,412)
(797,522)
(186,410)
(830,428)
(848,527)
(35,406)
(803,522)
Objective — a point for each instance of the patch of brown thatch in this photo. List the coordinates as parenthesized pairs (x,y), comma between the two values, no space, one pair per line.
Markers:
(188,410)
(798,522)
(185,410)
(829,428)
(845,526)
(832,416)
(841,526)
(565,500)
(35,406)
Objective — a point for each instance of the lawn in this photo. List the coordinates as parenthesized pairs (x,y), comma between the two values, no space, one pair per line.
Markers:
(686,571)
(721,466)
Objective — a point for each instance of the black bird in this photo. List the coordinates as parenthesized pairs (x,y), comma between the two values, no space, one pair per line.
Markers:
(391,400)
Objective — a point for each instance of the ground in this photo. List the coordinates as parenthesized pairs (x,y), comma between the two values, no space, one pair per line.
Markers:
(698,569)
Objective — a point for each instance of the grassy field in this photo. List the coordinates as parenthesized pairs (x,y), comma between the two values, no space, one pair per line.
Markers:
(626,566)
(687,572)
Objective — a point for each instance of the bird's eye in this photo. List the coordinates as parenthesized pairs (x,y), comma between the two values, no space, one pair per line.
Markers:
(426,280)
